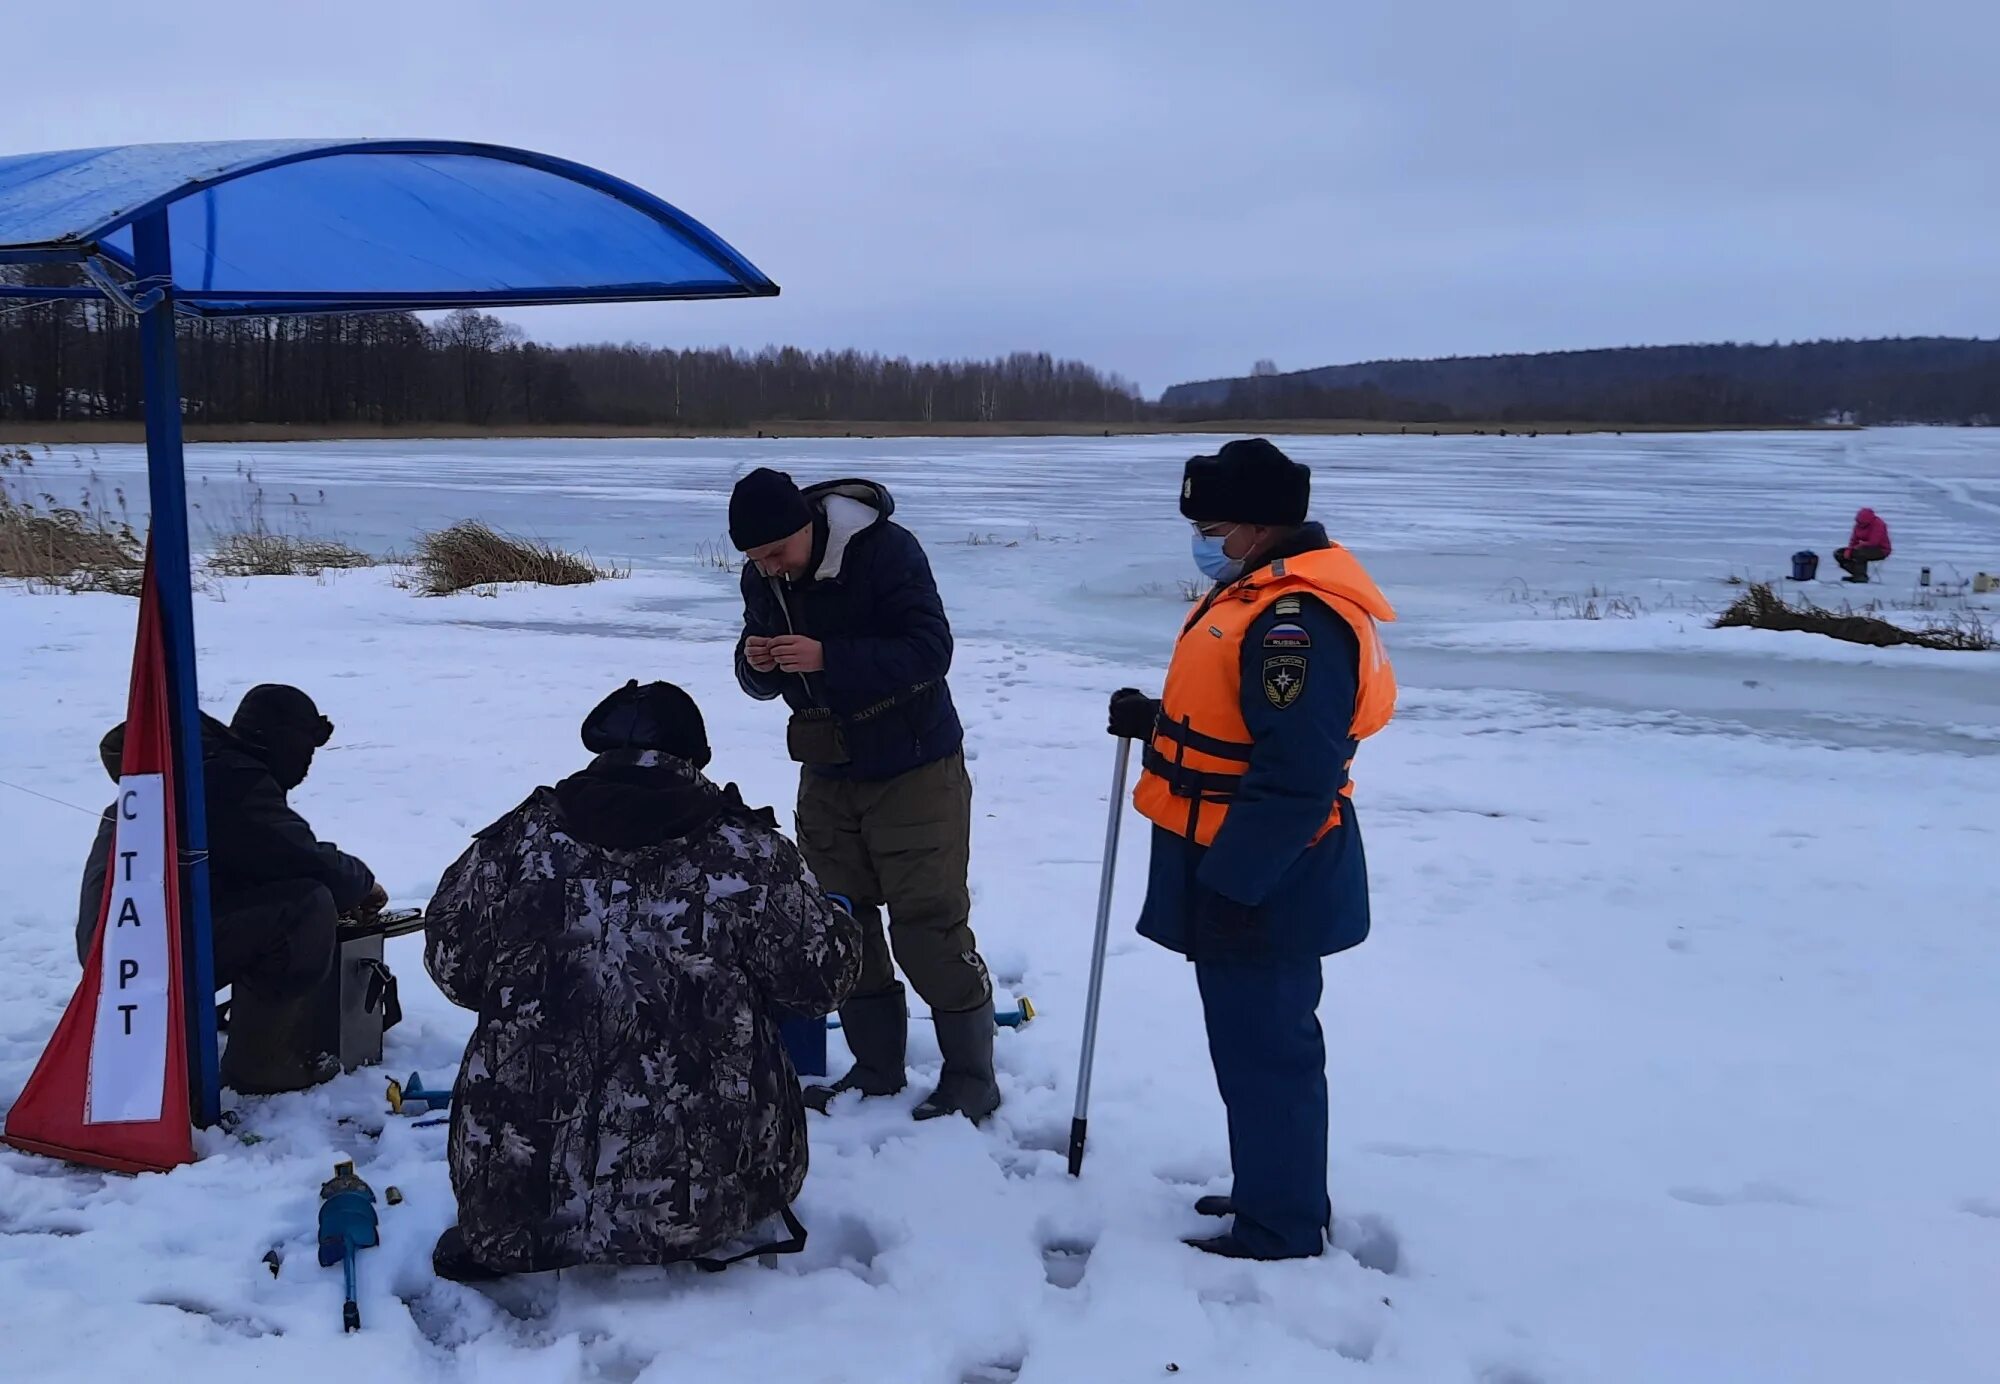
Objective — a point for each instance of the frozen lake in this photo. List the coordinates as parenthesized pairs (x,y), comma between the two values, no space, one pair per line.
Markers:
(1669,1057)
(1480,541)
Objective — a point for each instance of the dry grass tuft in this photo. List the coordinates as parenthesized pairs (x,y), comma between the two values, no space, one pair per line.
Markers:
(262,553)
(469,554)
(57,547)
(1762,608)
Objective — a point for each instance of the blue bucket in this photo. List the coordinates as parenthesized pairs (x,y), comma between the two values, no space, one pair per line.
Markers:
(1805,566)
(805,1042)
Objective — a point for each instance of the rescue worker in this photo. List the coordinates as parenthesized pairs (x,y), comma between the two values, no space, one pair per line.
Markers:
(1257,869)
(842,619)
(630,940)
(276,891)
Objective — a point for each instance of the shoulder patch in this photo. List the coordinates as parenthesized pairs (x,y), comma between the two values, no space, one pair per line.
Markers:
(1284,679)
(1287,637)
(1286,605)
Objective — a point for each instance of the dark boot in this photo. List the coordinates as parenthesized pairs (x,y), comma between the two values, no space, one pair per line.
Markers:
(1229,1247)
(280,1044)
(967,1086)
(450,1260)
(1223,1207)
(877,1029)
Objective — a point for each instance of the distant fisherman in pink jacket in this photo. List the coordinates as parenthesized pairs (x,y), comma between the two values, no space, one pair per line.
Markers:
(1869,543)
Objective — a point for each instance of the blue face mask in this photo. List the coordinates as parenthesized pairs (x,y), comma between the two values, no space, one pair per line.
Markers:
(1215,564)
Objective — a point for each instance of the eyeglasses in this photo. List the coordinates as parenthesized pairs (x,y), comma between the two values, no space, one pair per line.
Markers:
(1215,530)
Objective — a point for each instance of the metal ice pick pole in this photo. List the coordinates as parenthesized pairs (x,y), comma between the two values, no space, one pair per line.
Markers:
(1079,1125)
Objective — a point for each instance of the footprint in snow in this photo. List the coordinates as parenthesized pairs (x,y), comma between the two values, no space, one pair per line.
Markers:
(1066,1259)
(1188,1174)
(607,1359)
(1065,1263)
(1508,1374)
(1024,1166)
(1750,1194)
(1371,1240)
(1043,1139)
(1351,1340)
(230,1320)
(1971,1206)
(1002,1371)
(846,1243)
(1236,1291)
(61,1230)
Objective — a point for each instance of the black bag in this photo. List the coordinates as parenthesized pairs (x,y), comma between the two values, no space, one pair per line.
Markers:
(814,738)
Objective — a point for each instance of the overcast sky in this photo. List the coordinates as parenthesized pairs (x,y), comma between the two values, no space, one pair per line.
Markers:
(1166,189)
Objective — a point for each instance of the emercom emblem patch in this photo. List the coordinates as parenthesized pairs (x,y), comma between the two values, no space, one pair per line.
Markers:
(1284,679)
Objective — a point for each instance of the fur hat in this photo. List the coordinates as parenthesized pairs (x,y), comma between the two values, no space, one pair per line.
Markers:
(1248,481)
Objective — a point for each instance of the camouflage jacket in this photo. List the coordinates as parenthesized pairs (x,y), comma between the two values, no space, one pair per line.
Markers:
(629,940)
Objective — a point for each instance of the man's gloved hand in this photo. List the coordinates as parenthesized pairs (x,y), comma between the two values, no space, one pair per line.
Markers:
(377,900)
(1133,714)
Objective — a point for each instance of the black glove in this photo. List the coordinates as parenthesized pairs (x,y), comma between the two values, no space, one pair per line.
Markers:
(1133,714)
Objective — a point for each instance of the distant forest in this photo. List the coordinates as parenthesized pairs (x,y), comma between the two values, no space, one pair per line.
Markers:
(78,361)
(1902,380)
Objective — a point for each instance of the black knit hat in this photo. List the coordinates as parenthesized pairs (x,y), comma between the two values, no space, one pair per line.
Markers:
(1248,481)
(283,726)
(276,707)
(658,716)
(764,507)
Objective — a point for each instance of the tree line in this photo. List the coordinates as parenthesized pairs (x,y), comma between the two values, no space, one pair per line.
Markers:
(1951,380)
(78,361)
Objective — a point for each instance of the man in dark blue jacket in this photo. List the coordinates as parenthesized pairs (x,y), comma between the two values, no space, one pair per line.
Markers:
(1257,866)
(841,618)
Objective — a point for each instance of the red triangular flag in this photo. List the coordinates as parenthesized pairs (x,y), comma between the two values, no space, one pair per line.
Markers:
(111,1089)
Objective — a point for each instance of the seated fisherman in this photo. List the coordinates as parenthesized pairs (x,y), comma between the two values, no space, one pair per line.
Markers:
(276,891)
(1868,543)
(630,940)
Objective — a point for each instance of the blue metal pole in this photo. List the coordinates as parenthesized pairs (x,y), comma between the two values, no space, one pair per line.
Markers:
(172,574)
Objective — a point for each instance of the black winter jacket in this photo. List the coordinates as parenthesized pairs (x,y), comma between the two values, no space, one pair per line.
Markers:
(254,836)
(871,601)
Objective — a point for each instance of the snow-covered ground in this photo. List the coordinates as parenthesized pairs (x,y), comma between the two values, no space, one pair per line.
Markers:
(1671,1056)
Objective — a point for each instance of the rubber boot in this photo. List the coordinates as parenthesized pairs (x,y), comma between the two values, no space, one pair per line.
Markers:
(967,1086)
(281,1044)
(877,1029)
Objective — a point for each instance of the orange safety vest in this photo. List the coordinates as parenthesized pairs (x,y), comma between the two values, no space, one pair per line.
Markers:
(1201,745)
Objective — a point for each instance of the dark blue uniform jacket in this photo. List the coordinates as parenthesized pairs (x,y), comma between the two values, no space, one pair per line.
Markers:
(1263,892)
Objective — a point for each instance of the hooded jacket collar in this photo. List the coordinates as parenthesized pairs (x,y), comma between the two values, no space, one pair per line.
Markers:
(842,512)
(633,799)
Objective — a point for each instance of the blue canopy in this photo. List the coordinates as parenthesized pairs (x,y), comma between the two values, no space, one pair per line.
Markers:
(267,228)
(298,226)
